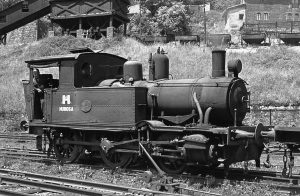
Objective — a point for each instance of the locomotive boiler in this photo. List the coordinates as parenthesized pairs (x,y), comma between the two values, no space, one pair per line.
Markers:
(218,95)
(100,105)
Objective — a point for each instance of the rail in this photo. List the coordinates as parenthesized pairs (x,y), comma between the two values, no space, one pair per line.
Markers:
(58,184)
(281,183)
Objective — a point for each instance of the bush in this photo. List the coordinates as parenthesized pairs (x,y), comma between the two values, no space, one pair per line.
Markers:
(160,17)
(7,3)
(56,45)
(223,4)
(173,19)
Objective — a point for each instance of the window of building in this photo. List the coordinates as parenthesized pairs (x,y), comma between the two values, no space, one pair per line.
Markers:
(25,6)
(295,3)
(296,17)
(289,16)
(242,1)
(2,18)
(241,16)
(266,16)
(258,16)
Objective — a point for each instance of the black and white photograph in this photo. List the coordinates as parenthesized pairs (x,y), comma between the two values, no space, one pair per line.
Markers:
(149,97)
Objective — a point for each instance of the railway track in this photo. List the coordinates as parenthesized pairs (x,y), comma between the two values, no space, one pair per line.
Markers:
(65,185)
(26,154)
(20,137)
(290,185)
(284,186)
(40,156)
(54,184)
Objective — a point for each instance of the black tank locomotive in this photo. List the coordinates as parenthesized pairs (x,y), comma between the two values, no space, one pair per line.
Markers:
(100,105)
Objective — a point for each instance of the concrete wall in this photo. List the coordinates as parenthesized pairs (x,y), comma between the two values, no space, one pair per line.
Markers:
(25,34)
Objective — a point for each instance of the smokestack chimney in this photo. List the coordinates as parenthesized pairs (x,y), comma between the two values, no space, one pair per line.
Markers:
(218,63)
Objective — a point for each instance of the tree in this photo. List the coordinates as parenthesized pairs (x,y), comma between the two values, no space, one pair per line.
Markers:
(173,19)
(223,4)
(159,17)
(142,25)
(7,3)
(154,5)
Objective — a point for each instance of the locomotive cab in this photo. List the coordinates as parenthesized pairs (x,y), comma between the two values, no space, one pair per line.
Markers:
(76,96)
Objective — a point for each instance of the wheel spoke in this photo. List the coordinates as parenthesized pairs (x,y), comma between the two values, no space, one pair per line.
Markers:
(115,159)
(66,152)
(172,166)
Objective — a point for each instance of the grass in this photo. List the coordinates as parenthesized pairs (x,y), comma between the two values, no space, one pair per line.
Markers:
(273,73)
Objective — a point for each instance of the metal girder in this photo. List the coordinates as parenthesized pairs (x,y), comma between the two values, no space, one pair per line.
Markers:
(67,9)
(98,6)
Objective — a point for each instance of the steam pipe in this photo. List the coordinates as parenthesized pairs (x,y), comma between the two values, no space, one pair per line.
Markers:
(198,108)
(235,116)
(207,114)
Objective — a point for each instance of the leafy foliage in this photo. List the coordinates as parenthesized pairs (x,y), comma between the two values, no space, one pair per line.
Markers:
(173,19)
(154,5)
(7,3)
(142,24)
(223,4)
(159,17)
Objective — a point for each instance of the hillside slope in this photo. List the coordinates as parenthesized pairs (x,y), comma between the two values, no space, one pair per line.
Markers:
(273,73)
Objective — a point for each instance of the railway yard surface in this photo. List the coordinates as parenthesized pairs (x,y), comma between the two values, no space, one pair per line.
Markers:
(272,73)
(30,172)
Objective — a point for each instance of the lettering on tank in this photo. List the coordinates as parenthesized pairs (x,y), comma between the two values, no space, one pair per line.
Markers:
(66,100)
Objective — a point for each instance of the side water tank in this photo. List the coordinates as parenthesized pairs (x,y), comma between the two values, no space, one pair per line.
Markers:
(159,67)
(134,70)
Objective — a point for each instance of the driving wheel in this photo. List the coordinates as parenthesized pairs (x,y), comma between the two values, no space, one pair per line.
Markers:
(67,153)
(115,159)
(169,165)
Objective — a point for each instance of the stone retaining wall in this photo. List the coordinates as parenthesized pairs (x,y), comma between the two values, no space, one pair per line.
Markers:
(29,33)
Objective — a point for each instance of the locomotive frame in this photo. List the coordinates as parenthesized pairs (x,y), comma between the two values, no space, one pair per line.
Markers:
(101,106)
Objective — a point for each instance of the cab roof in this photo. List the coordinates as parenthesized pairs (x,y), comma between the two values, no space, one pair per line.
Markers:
(53,61)
(47,60)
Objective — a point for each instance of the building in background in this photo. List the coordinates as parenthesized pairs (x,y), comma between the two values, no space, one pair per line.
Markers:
(235,17)
(261,12)
(199,8)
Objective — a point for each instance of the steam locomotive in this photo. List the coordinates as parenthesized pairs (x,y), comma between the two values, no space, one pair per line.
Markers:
(99,104)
